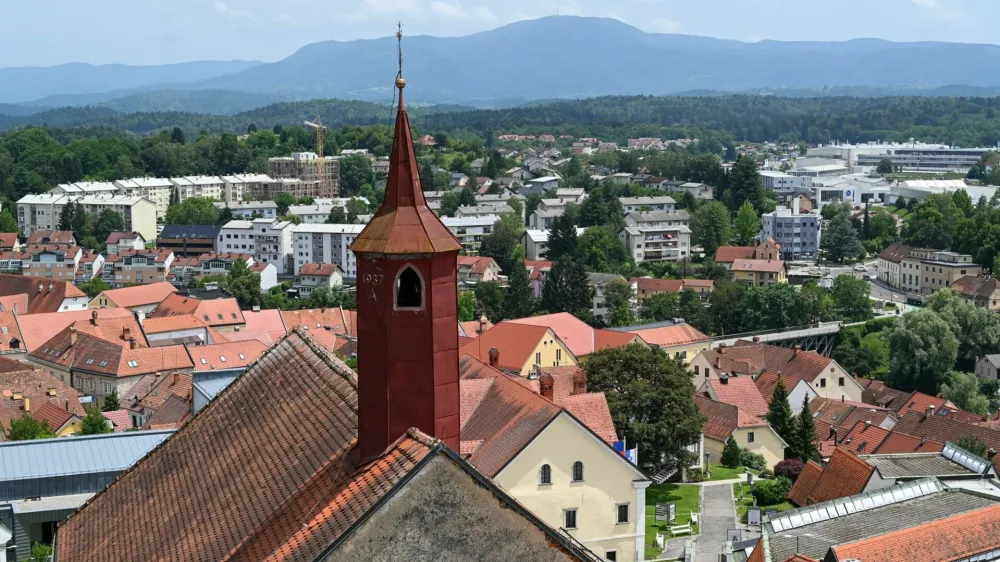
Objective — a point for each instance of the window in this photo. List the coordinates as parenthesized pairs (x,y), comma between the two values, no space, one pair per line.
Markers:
(204,361)
(822,383)
(558,351)
(538,358)
(133,363)
(622,515)
(243,357)
(103,364)
(611,555)
(409,289)
(569,519)
(545,474)
(222,358)
(749,437)
(90,361)
(840,381)
(578,471)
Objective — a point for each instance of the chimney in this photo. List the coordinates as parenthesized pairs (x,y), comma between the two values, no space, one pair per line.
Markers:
(546,386)
(126,332)
(991,453)
(72,335)
(718,363)
(833,434)
(868,423)
(854,375)
(797,351)
(131,343)
(494,357)
(579,382)
(93,317)
(930,410)
(41,287)
(482,324)
(723,379)
(722,348)
(756,339)
(27,404)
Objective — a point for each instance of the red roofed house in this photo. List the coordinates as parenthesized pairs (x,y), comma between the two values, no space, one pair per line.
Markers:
(224,356)
(646,287)
(137,267)
(118,241)
(52,237)
(24,388)
(581,338)
(537,271)
(678,339)
(517,348)
(9,242)
(826,377)
(223,315)
(142,298)
(315,275)
(59,420)
(845,475)
(726,255)
(750,432)
(44,295)
(736,391)
(473,269)
(335,466)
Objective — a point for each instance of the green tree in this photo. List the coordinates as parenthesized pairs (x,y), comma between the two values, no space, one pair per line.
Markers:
(226,154)
(491,297)
(692,309)
(355,207)
(618,297)
(746,225)
(355,171)
(662,306)
(851,298)
(816,302)
(934,222)
(730,453)
(651,400)
(882,226)
(466,306)
(284,201)
(243,284)
(746,185)
(710,226)
(566,288)
(177,136)
(80,222)
(773,307)
(963,390)
(93,287)
(977,329)
(922,349)
(805,434)
(518,301)
(600,251)
(111,403)
(501,243)
(108,221)
(562,238)
(337,216)
(884,167)
(857,359)
(972,444)
(779,414)
(194,210)
(66,217)
(95,423)
(840,241)
(40,552)
(27,427)
(725,310)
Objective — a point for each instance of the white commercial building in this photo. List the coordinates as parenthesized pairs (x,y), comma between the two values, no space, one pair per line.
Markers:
(266,240)
(312,214)
(470,231)
(780,182)
(797,232)
(326,243)
(251,209)
(657,243)
(536,243)
(41,212)
(911,156)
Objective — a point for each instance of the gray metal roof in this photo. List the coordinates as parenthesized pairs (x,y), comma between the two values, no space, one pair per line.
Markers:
(211,388)
(861,517)
(44,458)
(916,465)
(195,231)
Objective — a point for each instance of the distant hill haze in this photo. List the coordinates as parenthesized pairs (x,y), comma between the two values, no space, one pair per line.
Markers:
(554,57)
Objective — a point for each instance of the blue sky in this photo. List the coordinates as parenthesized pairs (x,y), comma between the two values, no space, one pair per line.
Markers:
(47,32)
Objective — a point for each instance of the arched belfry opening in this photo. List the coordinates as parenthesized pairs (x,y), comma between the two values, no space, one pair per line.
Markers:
(409,289)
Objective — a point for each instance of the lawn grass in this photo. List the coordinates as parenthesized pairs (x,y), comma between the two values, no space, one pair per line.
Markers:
(720,472)
(686,496)
(745,501)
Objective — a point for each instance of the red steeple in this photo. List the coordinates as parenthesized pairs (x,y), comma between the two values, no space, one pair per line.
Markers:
(404,224)
(407,312)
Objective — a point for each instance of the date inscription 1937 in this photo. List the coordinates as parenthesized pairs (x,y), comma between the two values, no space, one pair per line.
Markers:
(371,281)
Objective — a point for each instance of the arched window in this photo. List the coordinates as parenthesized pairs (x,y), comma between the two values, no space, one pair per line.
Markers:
(545,474)
(409,289)
(578,471)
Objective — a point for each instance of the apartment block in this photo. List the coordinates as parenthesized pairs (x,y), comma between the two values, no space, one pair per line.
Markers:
(137,267)
(639,204)
(308,167)
(266,240)
(251,209)
(41,212)
(925,271)
(157,190)
(85,188)
(326,243)
(184,270)
(797,233)
(470,231)
(657,243)
(210,187)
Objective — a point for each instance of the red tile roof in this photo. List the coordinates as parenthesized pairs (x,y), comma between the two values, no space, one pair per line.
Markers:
(845,475)
(160,256)
(50,237)
(225,355)
(50,413)
(44,295)
(604,339)
(477,264)
(165,386)
(140,295)
(173,413)
(163,324)
(763,266)
(897,442)
(116,237)
(766,383)
(120,419)
(753,358)
(864,439)
(919,402)
(472,328)
(335,319)
(515,342)
(944,428)
(265,320)
(91,354)
(658,285)
(36,329)
(740,392)
(592,410)
(894,252)
(535,268)
(323,269)
(575,333)
(951,538)
(214,312)
(667,336)
(729,254)
(805,483)
(33,384)
(722,419)
(14,303)
(8,239)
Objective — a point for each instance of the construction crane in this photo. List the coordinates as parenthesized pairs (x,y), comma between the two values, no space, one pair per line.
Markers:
(320,134)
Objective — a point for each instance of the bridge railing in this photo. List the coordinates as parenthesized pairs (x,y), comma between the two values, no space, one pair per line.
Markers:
(804,331)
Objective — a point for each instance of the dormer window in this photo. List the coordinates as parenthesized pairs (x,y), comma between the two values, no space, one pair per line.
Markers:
(409,290)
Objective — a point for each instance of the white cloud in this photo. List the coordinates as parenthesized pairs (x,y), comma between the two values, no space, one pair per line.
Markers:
(454,10)
(229,13)
(664,25)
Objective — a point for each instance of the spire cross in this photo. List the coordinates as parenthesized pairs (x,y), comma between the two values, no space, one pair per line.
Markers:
(399,48)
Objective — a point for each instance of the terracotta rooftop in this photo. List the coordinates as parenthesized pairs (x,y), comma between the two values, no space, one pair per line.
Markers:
(536,267)
(172,414)
(322,269)
(894,252)
(116,237)
(604,339)
(515,342)
(804,484)
(55,416)
(896,442)
(668,335)
(766,383)
(576,334)
(51,237)
(160,256)
(225,355)
(722,419)
(473,328)
(14,303)
(844,475)
(729,254)
(43,295)
(753,358)
(213,312)
(864,438)
(173,384)
(120,420)
(592,410)
(336,319)
(944,428)
(140,295)
(952,538)
(34,384)
(8,239)
(265,320)
(10,333)
(477,265)
(740,392)
(919,402)
(762,266)
(163,324)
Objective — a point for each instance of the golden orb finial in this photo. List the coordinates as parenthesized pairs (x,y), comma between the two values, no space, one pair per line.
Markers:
(400,83)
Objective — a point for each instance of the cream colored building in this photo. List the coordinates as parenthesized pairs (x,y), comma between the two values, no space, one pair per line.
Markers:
(210,187)
(611,487)
(925,271)
(157,190)
(41,212)
(520,347)
(750,432)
